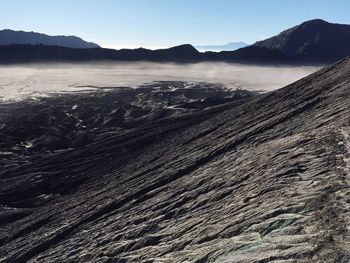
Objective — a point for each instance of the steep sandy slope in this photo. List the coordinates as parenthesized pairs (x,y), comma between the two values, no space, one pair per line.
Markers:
(264,181)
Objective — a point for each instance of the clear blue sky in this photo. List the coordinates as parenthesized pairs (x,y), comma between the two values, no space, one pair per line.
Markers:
(161,23)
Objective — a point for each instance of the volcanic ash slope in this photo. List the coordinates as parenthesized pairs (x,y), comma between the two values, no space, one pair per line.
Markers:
(267,180)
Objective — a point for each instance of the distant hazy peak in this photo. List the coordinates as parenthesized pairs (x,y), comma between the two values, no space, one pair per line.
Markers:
(226,47)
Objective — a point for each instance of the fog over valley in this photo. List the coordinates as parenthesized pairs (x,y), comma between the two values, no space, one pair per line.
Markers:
(20,81)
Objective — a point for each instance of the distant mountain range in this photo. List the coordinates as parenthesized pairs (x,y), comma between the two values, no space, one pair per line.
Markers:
(32,53)
(227,47)
(10,37)
(314,41)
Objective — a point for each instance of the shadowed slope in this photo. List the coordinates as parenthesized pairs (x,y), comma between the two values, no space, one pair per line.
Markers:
(267,180)
(313,40)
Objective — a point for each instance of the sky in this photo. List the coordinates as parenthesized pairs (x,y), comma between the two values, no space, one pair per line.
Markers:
(163,23)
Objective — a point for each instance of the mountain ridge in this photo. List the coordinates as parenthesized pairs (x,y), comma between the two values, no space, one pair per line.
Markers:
(182,54)
(312,42)
(313,39)
(12,37)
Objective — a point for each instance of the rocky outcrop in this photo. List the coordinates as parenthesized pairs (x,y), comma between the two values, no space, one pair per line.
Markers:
(259,181)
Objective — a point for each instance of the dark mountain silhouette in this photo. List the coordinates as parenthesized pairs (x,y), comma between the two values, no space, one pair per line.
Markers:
(180,53)
(312,40)
(31,53)
(227,47)
(248,54)
(260,179)
(183,53)
(9,37)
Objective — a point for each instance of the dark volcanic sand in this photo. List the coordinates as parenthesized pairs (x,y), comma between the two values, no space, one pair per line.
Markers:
(65,121)
(258,179)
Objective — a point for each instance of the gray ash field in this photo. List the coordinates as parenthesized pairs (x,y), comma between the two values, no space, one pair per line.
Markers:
(231,177)
(62,121)
(20,81)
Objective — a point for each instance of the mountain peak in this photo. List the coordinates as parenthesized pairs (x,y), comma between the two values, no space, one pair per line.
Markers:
(316,21)
(315,39)
(187,47)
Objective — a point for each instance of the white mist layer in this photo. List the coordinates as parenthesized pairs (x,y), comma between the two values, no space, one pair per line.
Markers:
(20,81)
